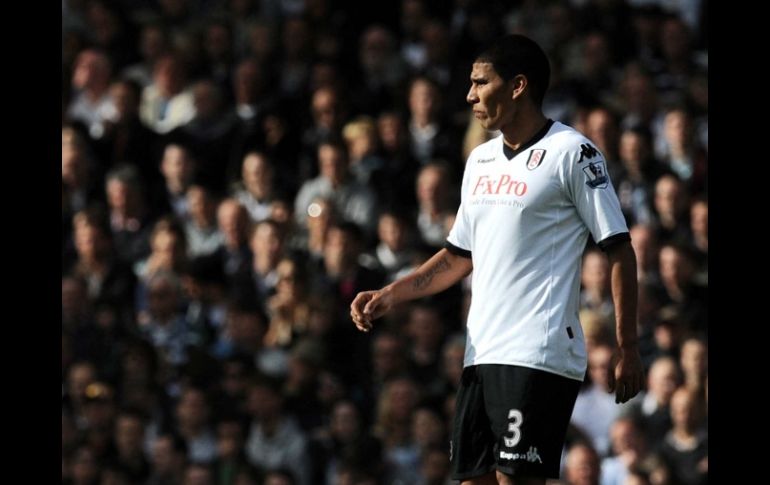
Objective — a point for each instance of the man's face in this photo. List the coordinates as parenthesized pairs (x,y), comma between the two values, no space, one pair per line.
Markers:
(582,466)
(596,271)
(340,250)
(344,422)
(430,187)
(668,196)
(375,49)
(248,81)
(176,165)
(694,358)
(163,454)
(632,149)
(325,108)
(79,377)
(490,96)
(126,101)
(199,203)
(167,75)
(91,69)
(391,232)
(663,380)
(89,242)
(231,222)
(128,434)
(422,99)
(674,268)
(624,437)
(699,218)
(266,242)
(600,366)
(192,408)
(331,163)
(118,195)
(256,174)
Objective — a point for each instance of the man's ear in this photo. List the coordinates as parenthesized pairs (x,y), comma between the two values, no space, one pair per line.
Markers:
(520,82)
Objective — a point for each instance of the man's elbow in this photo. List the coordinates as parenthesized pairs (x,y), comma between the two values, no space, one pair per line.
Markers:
(462,264)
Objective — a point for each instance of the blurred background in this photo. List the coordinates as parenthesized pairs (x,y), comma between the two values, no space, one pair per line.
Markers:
(235,171)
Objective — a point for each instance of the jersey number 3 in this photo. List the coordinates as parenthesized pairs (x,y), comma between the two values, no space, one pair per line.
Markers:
(514,427)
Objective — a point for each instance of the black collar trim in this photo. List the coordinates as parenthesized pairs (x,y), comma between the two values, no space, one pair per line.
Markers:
(510,152)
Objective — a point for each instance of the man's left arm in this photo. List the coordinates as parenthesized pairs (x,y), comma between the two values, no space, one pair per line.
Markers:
(627,379)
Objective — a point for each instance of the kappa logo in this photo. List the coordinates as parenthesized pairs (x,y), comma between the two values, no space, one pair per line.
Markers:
(535,158)
(596,175)
(587,152)
(531,455)
(485,160)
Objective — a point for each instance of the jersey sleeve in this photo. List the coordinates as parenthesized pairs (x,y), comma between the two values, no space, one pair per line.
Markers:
(459,239)
(588,186)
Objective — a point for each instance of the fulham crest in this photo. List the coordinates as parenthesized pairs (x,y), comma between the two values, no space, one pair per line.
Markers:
(535,158)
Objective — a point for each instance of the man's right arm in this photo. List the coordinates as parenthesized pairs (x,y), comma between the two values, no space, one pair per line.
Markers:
(435,275)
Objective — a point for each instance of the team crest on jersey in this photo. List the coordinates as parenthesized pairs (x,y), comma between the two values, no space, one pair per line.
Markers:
(596,175)
(535,158)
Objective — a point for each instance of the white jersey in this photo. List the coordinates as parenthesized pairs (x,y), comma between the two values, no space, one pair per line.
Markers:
(524,219)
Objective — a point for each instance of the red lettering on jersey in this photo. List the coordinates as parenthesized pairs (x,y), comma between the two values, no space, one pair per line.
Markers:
(503,185)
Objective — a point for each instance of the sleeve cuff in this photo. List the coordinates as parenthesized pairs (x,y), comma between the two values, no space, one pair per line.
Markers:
(457,251)
(606,244)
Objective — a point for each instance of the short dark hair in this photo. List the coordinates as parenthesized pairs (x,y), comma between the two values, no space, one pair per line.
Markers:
(127,175)
(349,228)
(516,54)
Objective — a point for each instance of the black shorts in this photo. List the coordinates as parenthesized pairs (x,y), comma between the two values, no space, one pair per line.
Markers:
(510,418)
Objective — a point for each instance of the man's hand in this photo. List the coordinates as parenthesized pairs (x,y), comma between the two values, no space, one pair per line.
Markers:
(368,306)
(626,380)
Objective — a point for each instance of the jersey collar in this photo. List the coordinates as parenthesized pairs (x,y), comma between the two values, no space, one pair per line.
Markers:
(510,152)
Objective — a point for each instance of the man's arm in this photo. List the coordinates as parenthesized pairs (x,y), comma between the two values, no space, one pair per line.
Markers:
(627,379)
(437,274)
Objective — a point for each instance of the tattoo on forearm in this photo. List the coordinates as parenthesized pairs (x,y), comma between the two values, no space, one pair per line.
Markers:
(422,281)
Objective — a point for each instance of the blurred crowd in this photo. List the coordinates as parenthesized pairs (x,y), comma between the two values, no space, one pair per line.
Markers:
(235,171)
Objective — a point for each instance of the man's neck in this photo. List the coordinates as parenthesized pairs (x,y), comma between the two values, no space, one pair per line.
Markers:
(523,128)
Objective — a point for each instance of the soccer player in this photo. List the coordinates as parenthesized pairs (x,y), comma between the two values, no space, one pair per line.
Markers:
(529,199)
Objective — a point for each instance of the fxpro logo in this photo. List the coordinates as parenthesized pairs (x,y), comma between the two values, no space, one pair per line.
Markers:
(486,185)
(531,455)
